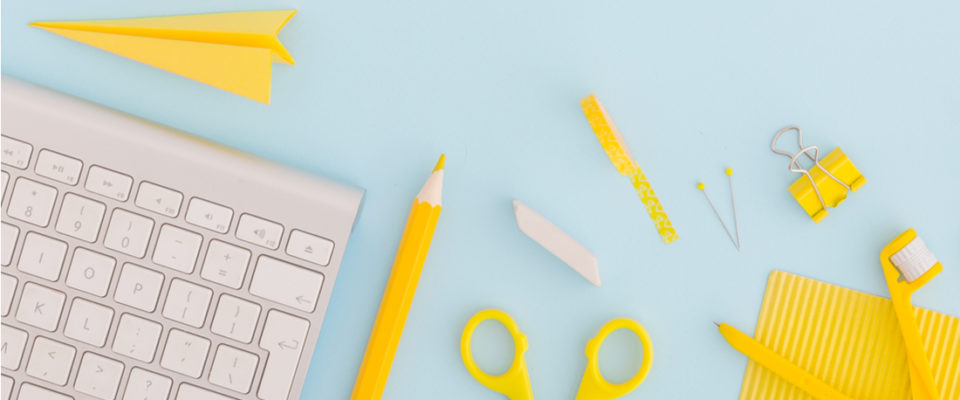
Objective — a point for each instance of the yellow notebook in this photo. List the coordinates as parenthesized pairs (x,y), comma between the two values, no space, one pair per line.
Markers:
(849,339)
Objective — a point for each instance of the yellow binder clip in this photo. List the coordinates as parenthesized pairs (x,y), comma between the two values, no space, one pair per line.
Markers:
(828,181)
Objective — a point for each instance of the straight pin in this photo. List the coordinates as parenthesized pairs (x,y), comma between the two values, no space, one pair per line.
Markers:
(702,188)
(733,200)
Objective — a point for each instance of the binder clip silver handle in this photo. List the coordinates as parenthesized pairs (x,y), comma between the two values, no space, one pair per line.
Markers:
(795,166)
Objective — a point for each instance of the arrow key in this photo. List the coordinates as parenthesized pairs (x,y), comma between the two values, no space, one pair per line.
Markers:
(51,361)
(98,376)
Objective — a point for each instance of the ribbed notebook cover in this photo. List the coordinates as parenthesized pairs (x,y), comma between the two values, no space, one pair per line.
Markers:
(849,339)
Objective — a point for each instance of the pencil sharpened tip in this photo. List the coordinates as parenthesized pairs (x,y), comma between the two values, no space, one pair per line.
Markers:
(716,323)
(439,166)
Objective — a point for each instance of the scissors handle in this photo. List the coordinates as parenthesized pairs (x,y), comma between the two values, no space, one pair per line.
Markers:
(594,386)
(515,383)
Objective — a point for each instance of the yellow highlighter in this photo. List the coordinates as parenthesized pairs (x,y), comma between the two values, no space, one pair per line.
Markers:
(400,289)
(779,365)
(909,256)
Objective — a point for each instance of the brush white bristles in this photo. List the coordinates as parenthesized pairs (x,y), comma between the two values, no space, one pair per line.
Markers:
(913,260)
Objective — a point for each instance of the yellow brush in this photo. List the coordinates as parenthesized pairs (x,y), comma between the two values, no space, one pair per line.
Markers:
(908,256)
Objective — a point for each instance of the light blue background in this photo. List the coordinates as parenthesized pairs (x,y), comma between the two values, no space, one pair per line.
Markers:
(380,89)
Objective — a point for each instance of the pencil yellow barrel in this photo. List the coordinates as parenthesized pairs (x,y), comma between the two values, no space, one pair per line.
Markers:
(401,286)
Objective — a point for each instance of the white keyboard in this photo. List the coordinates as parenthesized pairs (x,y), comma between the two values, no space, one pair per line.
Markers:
(143,264)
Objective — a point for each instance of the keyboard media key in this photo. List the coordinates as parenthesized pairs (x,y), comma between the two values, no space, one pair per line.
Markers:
(32,202)
(309,247)
(14,341)
(50,361)
(146,385)
(15,153)
(137,338)
(80,217)
(58,167)
(235,318)
(42,256)
(88,322)
(177,248)
(128,233)
(233,369)
(283,336)
(187,303)
(40,306)
(138,287)
(209,215)
(98,376)
(9,234)
(159,199)
(185,353)
(90,271)
(225,264)
(259,231)
(286,283)
(108,183)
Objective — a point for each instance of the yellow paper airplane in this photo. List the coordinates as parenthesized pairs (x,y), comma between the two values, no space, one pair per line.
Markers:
(233,51)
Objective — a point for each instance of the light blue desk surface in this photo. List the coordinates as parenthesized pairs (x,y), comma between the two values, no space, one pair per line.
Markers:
(380,89)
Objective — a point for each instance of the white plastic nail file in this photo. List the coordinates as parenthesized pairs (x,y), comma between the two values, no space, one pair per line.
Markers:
(556,241)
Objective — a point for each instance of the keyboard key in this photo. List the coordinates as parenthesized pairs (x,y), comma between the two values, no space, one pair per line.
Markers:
(235,318)
(185,353)
(40,306)
(137,338)
(225,264)
(14,341)
(42,256)
(15,153)
(209,215)
(128,233)
(88,322)
(190,392)
(8,242)
(233,369)
(7,290)
(187,303)
(80,217)
(108,183)
(283,336)
(32,202)
(90,271)
(58,167)
(146,385)
(159,199)
(98,376)
(4,177)
(259,231)
(177,248)
(29,391)
(138,287)
(310,248)
(51,361)
(6,387)
(286,284)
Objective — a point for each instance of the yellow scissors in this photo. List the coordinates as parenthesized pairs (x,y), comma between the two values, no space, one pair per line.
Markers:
(515,383)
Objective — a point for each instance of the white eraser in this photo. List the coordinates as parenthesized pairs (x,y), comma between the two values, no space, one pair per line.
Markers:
(557,242)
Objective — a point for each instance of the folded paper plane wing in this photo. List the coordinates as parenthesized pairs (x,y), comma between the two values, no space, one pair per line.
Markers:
(232,51)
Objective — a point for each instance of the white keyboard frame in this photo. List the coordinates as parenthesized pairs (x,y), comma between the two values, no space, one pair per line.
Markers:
(193,166)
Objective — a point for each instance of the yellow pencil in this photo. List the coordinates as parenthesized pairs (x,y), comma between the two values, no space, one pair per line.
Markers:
(779,365)
(400,289)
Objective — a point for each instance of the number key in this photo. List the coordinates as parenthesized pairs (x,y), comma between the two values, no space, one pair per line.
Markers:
(128,233)
(80,217)
(32,202)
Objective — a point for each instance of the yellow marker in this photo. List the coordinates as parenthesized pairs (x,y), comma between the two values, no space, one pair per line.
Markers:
(909,256)
(779,365)
(401,286)
(609,137)
(515,383)
(232,51)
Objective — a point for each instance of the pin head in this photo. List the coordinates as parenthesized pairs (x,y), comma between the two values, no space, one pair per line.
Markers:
(700,186)
(729,171)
